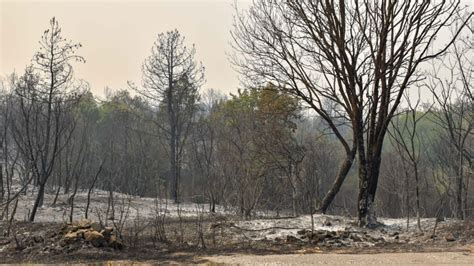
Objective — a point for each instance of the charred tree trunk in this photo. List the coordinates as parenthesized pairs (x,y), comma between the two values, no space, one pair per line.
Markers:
(86,214)
(369,169)
(341,176)
(71,199)
(459,191)
(38,201)
(2,189)
(173,180)
(417,197)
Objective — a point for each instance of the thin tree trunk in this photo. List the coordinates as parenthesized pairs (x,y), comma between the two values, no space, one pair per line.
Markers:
(460,185)
(417,191)
(293,203)
(2,189)
(56,196)
(336,186)
(173,153)
(38,201)
(110,213)
(71,199)
(91,188)
(407,199)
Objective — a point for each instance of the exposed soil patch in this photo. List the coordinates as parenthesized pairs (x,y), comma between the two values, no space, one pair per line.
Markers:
(427,258)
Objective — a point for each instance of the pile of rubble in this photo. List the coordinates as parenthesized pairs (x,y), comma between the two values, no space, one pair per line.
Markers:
(339,238)
(30,240)
(86,231)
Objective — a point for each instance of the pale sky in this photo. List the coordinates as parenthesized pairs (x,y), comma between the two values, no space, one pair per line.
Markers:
(118,35)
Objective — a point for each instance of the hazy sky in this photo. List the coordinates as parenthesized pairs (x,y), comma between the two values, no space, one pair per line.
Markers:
(118,35)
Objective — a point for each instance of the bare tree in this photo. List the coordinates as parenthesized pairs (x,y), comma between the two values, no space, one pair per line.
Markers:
(359,55)
(450,81)
(9,158)
(171,79)
(405,137)
(203,149)
(45,95)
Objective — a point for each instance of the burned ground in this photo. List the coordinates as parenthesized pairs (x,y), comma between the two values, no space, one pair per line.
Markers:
(47,242)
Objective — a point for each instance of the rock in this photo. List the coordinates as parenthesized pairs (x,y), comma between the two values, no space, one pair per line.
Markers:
(107,234)
(81,232)
(68,228)
(107,231)
(96,227)
(115,243)
(450,237)
(95,238)
(84,224)
(85,233)
(71,237)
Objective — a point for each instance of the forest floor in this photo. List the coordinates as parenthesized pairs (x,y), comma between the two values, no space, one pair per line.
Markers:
(42,243)
(154,231)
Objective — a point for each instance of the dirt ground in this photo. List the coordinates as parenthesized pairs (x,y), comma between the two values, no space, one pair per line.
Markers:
(428,258)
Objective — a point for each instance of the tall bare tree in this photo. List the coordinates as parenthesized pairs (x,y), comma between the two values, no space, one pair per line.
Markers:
(359,55)
(171,79)
(46,94)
